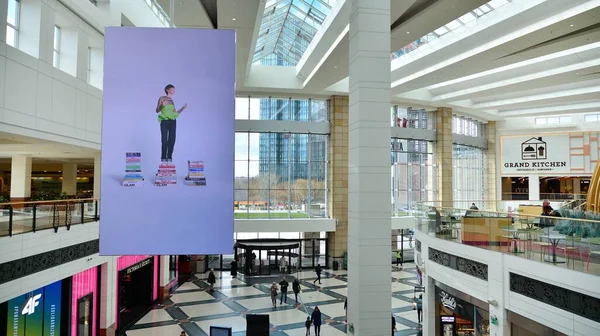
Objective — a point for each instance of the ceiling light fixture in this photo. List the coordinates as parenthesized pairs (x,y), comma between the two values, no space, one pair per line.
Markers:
(233,19)
(407,33)
(572,25)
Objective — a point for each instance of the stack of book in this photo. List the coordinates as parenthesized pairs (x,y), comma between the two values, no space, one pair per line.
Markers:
(133,170)
(195,175)
(166,175)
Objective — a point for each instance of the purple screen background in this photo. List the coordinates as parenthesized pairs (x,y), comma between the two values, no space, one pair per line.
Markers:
(180,219)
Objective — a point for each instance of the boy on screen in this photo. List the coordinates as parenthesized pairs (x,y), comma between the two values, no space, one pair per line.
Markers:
(167,117)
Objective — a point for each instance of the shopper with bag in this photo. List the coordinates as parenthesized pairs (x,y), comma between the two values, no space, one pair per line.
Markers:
(419,306)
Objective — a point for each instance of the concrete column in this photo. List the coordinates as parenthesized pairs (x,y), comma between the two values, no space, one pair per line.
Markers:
(3,13)
(20,178)
(443,151)
(97,172)
(369,175)
(534,187)
(395,238)
(69,178)
(108,297)
(337,175)
(492,194)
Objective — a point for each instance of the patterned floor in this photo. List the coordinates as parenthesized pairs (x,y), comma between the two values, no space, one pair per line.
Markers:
(194,310)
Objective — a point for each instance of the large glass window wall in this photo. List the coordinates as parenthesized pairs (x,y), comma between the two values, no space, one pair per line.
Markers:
(469,176)
(412,118)
(469,127)
(413,174)
(283,109)
(280,174)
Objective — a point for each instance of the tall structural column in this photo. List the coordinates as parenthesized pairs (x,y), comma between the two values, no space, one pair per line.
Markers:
(369,175)
(3,13)
(69,179)
(97,174)
(337,175)
(20,178)
(492,190)
(443,151)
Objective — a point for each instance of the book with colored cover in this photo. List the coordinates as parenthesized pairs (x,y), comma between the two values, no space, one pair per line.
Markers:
(133,170)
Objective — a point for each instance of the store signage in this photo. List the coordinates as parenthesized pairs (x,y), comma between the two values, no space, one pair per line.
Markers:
(448,319)
(139,265)
(33,302)
(447,300)
(35,313)
(536,154)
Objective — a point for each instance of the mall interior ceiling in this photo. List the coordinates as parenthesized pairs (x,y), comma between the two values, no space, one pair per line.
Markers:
(529,58)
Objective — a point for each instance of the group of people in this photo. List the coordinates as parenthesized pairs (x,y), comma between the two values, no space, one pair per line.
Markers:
(283,285)
(315,318)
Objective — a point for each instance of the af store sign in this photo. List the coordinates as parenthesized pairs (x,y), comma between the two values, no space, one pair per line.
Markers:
(547,154)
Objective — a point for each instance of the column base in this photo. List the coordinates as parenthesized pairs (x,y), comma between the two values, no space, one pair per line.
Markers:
(110,331)
(19,199)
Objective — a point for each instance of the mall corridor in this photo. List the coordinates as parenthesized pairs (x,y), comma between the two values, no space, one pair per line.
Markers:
(192,309)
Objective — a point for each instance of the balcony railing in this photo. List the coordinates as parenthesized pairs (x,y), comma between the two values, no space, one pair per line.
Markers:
(564,242)
(23,217)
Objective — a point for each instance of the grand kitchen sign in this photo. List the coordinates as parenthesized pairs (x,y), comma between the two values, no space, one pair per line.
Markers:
(544,154)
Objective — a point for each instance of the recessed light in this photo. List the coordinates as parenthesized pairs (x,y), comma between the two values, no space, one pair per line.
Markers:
(407,32)
(45,171)
(577,73)
(335,66)
(572,25)
(233,19)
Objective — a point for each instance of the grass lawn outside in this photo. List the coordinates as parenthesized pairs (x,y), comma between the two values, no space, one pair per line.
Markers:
(266,215)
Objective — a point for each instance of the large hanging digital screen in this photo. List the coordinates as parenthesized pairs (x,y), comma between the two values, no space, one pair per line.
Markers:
(36,313)
(168,140)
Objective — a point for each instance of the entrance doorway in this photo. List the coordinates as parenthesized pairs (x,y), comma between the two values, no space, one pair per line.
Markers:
(136,289)
(268,258)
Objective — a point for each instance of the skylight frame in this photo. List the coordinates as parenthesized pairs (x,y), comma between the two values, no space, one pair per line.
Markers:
(288,27)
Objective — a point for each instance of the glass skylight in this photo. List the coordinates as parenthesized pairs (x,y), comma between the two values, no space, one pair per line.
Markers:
(453,25)
(287,28)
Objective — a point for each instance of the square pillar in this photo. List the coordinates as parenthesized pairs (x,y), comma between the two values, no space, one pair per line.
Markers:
(3,13)
(20,178)
(443,151)
(492,191)
(337,175)
(369,174)
(69,179)
(97,172)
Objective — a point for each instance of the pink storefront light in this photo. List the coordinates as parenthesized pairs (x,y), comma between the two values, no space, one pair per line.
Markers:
(83,284)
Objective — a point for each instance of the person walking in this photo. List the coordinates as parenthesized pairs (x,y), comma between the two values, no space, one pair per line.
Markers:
(316,320)
(274,291)
(282,264)
(284,288)
(296,288)
(307,325)
(393,325)
(346,309)
(399,258)
(234,267)
(420,308)
(318,270)
(211,280)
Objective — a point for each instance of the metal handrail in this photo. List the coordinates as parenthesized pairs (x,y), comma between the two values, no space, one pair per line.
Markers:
(504,214)
(29,216)
(49,201)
